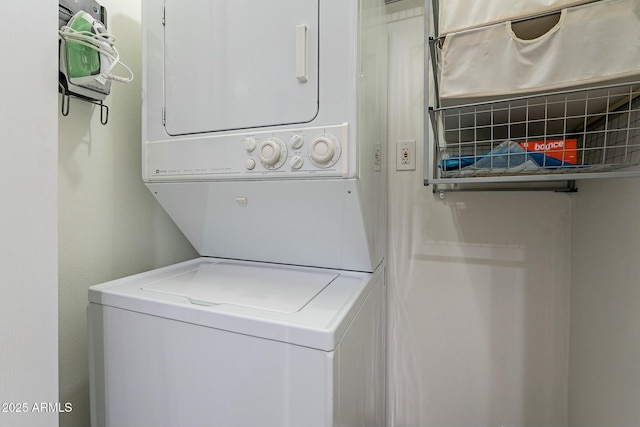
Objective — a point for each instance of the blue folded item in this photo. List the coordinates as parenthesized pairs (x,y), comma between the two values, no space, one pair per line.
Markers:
(507,155)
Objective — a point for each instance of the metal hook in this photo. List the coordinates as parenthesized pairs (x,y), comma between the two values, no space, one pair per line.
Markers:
(65,105)
(66,100)
(104,114)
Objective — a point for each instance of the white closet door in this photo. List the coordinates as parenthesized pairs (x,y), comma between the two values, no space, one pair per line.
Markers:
(235,64)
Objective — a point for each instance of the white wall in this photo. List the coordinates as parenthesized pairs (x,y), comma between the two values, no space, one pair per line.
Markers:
(28,212)
(110,225)
(605,305)
(478,286)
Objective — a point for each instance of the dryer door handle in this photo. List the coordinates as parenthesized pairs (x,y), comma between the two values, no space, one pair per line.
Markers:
(302,58)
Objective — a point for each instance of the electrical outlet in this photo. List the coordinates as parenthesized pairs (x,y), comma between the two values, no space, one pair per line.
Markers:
(406,155)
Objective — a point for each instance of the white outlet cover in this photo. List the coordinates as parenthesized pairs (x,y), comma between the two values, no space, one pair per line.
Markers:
(406,155)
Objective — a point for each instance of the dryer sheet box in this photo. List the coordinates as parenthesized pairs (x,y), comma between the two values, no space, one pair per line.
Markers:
(565,150)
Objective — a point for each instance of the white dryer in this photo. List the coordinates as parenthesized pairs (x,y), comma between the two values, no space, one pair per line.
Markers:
(263,138)
(264,124)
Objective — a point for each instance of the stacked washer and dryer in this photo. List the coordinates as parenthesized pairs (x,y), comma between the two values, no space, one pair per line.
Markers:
(263,136)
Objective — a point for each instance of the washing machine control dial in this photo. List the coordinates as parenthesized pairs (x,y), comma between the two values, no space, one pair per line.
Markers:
(325,151)
(250,164)
(297,141)
(273,153)
(296,162)
(250,144)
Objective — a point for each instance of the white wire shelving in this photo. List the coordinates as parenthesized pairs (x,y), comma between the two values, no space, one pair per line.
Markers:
(538,141)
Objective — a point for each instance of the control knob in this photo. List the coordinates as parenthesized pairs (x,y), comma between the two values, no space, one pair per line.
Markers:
(297,141)
(273,153)
(249,144)
(324,151)
(296,162)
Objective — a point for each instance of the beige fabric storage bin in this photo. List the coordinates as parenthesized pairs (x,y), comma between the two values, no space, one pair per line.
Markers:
(595,43)
(458,15)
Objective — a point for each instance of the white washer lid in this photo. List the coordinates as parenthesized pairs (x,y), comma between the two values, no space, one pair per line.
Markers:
(263,287)
(320,324)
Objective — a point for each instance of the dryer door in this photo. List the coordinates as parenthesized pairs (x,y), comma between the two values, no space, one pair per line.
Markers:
(237,64)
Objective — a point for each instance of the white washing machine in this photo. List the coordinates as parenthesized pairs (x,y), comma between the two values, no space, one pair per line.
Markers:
(263,138)
(216,342)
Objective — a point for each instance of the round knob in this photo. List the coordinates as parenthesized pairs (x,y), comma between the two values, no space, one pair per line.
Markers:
(296,162)
(250,144)
(296,142)
(250,164)
(322,149)
(273,153)
(270,152)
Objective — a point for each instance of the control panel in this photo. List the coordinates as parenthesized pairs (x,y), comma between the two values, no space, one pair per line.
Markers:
(302,151)
(317,151)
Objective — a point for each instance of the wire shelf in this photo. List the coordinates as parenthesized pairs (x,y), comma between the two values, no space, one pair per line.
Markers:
(564,135)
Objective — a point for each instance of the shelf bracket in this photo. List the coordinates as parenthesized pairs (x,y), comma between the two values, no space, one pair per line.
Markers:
(66,98)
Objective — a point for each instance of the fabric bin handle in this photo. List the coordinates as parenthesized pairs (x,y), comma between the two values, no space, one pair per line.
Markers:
(513,34)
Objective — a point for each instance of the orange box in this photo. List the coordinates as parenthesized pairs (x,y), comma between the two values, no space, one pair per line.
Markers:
(564,150)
